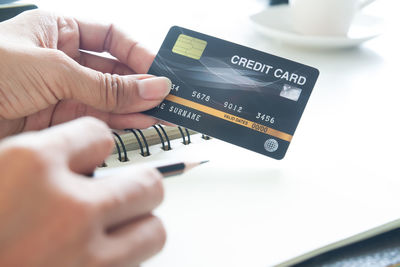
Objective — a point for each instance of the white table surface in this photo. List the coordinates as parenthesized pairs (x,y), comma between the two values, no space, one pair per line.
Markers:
(346,143)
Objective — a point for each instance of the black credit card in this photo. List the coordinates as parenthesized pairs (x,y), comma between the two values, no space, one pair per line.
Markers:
(231,92)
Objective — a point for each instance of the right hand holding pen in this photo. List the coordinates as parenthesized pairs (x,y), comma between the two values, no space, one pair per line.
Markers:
(52,215)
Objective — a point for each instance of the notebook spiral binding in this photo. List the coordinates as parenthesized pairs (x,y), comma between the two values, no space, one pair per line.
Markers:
(161,137)
(121,148)
(142,152)
(185,142)
(123,158)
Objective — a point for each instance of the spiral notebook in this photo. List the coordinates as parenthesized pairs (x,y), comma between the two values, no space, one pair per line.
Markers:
(156,143)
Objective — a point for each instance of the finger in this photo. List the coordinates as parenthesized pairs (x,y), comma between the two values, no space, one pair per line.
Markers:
(166,123)
(102,64)
(115,93)
(72,109)
(135,242)
(135,121)
(130,193)
(99,38)
(83,143)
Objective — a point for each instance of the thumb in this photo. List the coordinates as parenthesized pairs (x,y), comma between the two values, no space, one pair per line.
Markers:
(116,93)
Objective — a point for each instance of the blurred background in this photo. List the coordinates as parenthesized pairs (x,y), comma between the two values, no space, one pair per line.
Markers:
(347,137)
(149,21)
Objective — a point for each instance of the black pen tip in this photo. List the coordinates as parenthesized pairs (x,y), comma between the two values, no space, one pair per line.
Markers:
(204,161)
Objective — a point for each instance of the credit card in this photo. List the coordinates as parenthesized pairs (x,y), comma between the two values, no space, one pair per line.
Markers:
(231,92)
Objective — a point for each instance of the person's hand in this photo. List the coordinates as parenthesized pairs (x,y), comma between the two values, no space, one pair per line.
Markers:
(47,76)
(52,215)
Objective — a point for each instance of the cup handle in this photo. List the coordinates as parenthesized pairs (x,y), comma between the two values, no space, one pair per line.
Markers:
(364,3)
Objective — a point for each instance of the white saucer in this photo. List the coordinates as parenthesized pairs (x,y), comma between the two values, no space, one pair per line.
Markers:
(274,22)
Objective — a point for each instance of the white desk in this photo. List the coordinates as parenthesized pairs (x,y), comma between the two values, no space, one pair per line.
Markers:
(342,163)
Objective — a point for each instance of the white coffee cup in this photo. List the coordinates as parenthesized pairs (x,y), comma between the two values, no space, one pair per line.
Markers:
(324,17)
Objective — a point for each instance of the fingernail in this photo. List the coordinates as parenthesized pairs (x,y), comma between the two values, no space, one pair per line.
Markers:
(155,88)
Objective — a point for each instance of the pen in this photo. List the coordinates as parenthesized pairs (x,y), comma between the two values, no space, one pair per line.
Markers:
(178,168)
(166,170)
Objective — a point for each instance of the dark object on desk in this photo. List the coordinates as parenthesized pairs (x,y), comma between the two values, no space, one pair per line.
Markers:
(6,1)
(277,2)
(379,251)
(9,11)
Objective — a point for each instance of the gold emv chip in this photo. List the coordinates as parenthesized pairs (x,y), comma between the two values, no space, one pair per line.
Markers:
(189,46)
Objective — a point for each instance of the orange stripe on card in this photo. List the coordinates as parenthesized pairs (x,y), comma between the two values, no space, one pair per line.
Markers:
(229,117)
